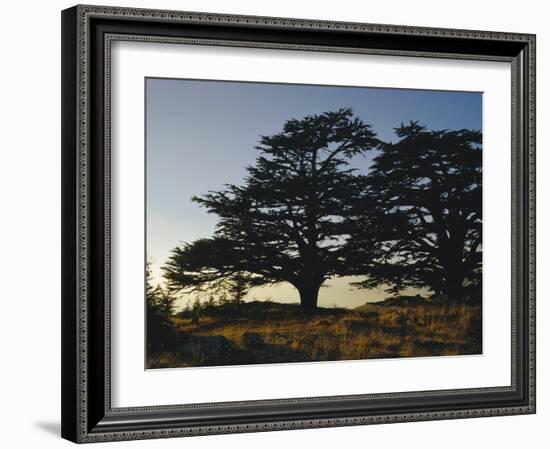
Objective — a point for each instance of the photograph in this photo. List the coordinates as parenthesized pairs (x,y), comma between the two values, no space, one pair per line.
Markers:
(288,219)
(310,223)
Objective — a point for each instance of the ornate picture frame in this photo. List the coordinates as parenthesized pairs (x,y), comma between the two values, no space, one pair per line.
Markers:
(88,33)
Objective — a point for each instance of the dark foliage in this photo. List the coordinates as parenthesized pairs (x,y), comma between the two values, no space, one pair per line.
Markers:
(287,221)
(160,333)
(420,214)
(209,266)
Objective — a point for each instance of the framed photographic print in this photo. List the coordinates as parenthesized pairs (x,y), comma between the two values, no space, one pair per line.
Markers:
(284,223)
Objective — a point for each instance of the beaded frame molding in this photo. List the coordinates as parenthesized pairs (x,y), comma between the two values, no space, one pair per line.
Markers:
(87,34)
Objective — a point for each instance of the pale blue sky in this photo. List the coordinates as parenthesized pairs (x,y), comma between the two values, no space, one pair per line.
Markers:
(201,135)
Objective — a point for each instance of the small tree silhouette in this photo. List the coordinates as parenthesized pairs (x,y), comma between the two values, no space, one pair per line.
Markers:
(159,315)
(238,287)
(287,222)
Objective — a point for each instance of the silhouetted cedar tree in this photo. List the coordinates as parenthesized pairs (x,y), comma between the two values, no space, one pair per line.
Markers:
(287,221)
(420,214)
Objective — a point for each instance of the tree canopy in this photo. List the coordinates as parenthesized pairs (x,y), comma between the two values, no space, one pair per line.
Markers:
(288,220)
(420,213)
(303,214)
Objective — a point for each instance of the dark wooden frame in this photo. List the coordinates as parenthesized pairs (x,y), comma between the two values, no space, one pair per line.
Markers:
(87,32)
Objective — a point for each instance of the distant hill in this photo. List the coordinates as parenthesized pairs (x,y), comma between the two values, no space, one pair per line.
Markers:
(397,301)
(266,310)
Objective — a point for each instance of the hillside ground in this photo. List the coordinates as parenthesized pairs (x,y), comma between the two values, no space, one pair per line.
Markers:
(270,332)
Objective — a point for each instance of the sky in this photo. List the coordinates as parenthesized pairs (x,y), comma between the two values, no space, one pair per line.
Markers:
(201,135)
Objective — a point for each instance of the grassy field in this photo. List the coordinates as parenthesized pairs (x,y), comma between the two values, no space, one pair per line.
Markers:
(269,332)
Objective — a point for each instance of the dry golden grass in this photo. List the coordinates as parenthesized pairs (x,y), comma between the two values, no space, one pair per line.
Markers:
(271,333)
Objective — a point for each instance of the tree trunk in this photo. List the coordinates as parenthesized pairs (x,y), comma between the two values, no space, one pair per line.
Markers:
(453,286)
(454,270)
(309,293)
